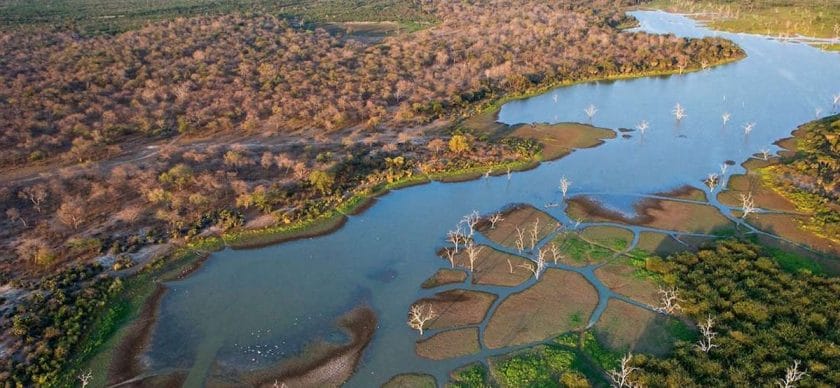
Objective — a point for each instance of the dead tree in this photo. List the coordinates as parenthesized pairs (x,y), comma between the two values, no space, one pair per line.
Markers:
(520,240)
(494,219)
(535,233)
(723,168)
(419,315)
(679,112)
(472,254)
(792,376)
(455,236)
(748,127)
(508,173)
(620,378)
(836,102)
(555,252)
(450,255)
(487,174)
(471,220)
(538,266)
(84,378)
(564,185)
(817,112)
(705,344)
(668,300)
(510,266)
(14,215)
(747,205)
(725,117)
(590,111)
(36,194)
(643,126)
(765,154)
(712,181)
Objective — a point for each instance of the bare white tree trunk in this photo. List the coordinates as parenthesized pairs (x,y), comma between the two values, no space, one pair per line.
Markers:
(748,127)
(520,240)
(564,185)
(705,344)
(669,301)
(679,112)
(472,254)
(725,117)
(419,315)
(747,205)
(494,219)
(590,111)
(792,376)
(538,266)
(535,233)
(620,378)
(84,378)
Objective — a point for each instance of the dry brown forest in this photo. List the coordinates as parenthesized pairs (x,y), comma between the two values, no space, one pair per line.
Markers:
(194,125)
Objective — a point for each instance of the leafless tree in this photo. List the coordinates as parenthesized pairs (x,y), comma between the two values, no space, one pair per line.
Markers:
(494,219)
(620,378)
(450,255)
(510,266)
(748,127)
(72,213)
(419,315)
(817,112)
(37,194)
(84,378)
(836,102)
(747,205)
(668,300)
(712,181)
(470,220)
(725,117)
(14,214)
(487,174)
(723,168)
(555,253)
(472,254)
(705,344)
(565,183)
(555,97)
(792,376)
(590,111)
(456,236)
(535,233)
(643,126)
(520,240)
(279,385)
(538,266)
(679,112)
(508,173)
(765,154)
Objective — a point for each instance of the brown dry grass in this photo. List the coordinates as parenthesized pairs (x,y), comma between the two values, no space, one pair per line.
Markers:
(625,327)
(788,227)
(559,140)
(491,267)
(561,301)
(524,217)
(445,276)
(685,192)
(449,344)
(411,380)
(457,308)
(764,198)
(621,279)
(655,213)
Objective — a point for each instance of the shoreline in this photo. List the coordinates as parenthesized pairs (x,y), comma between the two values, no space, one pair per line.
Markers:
(329,223)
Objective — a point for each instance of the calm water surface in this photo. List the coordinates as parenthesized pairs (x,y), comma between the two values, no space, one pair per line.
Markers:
(252,307)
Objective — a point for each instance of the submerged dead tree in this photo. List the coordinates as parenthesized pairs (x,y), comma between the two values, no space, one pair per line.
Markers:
(725,117)
(590,111)
(565,183)
(538,266)
(535,233)
(679,112)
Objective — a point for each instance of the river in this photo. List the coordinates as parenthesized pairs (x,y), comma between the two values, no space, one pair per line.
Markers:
(248,308)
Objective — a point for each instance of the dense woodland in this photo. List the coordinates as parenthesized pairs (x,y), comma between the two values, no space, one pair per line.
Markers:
(765,320)
(72,99)
(810,176)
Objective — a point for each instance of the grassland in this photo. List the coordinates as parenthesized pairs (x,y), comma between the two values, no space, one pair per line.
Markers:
(812,18)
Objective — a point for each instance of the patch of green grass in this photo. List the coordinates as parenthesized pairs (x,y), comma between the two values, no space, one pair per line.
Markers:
(470,376)
(537,367)
(576,319)
(678,330)
(792,262)
(580,250)
(607,359)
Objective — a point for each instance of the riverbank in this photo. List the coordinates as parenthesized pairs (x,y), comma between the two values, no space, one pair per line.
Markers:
(812,22)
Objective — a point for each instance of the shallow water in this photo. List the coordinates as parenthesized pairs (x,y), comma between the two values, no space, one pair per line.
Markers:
(250,307)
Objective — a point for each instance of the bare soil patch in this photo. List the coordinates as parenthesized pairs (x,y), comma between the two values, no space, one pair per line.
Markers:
(789,227)
(411,380)
(655,213)
(494,267)
(322,364)
(449,344)
(628,328)
(445,276)
(622,279)
(685,192)
(522,216)
(561,301)
(612,237)
(457,308)
(561,139)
